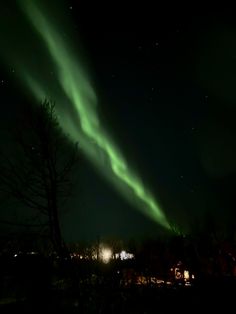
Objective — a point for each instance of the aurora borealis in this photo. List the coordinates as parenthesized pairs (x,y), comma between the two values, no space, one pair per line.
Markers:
(151,106)
(86,128)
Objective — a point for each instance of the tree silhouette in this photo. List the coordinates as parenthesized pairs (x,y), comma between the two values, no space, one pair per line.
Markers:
(37,172)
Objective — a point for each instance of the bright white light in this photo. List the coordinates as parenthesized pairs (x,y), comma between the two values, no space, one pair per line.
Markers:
(186,275)
(106,254)
(124,255)
(15,255)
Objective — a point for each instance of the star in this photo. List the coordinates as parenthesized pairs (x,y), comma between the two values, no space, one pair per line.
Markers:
(71,7)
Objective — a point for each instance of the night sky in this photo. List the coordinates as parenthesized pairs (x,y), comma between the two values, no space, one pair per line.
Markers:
(165,82)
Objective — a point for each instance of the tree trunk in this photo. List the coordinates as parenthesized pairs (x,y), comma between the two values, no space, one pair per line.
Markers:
(55,229)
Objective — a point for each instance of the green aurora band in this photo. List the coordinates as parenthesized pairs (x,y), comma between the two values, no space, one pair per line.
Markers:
(83,124)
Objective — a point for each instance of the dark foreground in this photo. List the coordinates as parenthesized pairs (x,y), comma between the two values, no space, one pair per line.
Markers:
(209,295)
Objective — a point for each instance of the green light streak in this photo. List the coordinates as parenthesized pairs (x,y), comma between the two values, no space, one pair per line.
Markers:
(85,125)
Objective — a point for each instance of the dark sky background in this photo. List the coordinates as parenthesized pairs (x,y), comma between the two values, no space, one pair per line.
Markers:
(166,87)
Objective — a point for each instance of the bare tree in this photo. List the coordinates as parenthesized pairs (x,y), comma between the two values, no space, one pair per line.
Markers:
(38,170)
